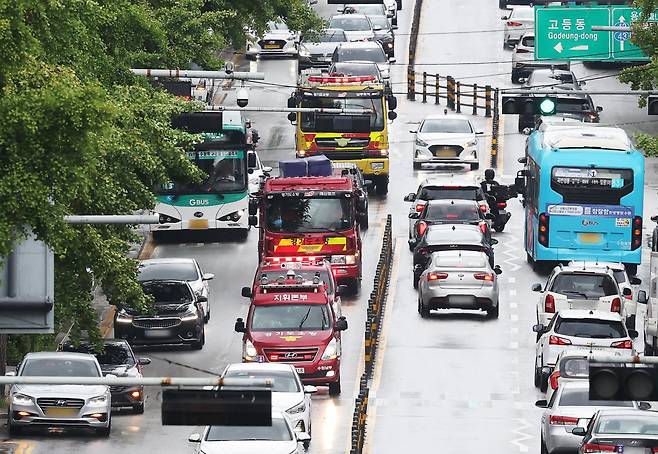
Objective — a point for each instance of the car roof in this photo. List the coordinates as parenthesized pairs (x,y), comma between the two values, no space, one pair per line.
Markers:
(591,315)
(446,117)
(61,355)
(168,260)
(87,342)
(459,253)
(359,45)
(452,180)
(628,412)
(282,367)
(342,16)
(616,266)
(451,202)
(578,268)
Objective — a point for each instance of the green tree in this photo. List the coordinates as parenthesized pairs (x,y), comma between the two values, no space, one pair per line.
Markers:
(79,134)
(645,77)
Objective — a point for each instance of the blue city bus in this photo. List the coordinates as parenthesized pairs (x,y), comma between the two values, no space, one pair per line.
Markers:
(583,188)
(220,201)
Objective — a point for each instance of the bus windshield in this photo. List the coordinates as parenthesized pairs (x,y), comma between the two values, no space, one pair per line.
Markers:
(316,122)
(308,214)
(591,185)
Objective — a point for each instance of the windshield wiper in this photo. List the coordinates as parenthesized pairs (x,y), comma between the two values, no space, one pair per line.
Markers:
(574,292)
(321,229)
(308,313)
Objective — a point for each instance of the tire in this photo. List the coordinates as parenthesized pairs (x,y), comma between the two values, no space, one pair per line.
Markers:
(334,388)
(494,312)
(416,279)
(13,429)
(654,240)
(365,222)
(157,236)
(354,286)
(537,375)
(250,57)
(631,268)
(544,448)
(382,187)
(499,228)
(399,5)
(105,431)
(138,409)
(502,4)
(475,166)
(306,445)
(206,318)
(422,310)
(417,165)
(543,382)
(650,347)
(243,234)
(198,344)
(630,321)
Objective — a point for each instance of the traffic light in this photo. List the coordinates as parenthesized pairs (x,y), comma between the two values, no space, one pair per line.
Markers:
(622,383)
(529,105)
(652,104)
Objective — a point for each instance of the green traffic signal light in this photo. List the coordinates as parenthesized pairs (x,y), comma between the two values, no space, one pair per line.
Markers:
(547,106)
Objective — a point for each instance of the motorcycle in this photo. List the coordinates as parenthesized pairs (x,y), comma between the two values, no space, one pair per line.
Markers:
(497,198)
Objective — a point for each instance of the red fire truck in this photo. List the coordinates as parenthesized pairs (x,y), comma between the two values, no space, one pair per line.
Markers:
(311,216)
(293,320)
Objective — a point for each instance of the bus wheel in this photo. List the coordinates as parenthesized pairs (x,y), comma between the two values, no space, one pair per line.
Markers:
(631,268)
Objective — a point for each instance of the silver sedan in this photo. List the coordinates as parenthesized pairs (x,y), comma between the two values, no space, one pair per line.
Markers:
(459,279)
(569,408)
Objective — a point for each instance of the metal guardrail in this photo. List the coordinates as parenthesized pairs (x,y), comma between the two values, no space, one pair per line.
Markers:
(374,318)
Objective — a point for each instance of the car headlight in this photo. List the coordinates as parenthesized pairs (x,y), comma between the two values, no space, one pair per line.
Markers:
(190,315)
(21,399)
(421,143)
(124,317)
(350,259)
(98,400)
(331,351)
(299,408)
(304,52)
(235,216)
(472,143)
(338,260)
(248,350)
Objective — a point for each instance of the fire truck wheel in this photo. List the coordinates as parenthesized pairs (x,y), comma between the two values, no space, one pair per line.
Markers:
(382,187)
(334,388)
(354,286)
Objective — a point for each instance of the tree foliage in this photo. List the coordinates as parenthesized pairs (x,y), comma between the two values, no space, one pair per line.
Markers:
(645,77)
(79,134)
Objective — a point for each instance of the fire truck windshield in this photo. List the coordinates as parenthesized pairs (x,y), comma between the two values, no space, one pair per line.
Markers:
(316,122)
(308,214)
(284,317)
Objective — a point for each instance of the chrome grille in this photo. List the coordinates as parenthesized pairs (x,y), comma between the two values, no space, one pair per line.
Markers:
(297,355)
(150,323)
(333,143)
(60,402)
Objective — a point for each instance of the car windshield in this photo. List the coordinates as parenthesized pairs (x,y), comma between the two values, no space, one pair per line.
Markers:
(373,54)
(565,105)
(167,292)
(350,24)
(452,212)
(457,235)
(352,69)
(283,382)
(335,36)
(461,260)
(380,21)
(272,276)
(300,214)
(111,355)
(550,78)
(369,10)
(186,271)
(645,423)
(584,286)
(590,328)
(278,431)
(299,317)
(59,367)
(277,26)
(438,193)
(446,126)
(580,398)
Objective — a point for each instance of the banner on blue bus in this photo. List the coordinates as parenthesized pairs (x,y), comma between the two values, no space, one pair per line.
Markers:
(606,211)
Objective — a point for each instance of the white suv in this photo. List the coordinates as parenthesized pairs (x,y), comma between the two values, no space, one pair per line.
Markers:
(578,287)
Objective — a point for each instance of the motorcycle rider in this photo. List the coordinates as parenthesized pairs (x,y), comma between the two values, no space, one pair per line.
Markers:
(495,194)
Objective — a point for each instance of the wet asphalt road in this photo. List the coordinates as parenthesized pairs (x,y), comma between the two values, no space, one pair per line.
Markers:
(456,380)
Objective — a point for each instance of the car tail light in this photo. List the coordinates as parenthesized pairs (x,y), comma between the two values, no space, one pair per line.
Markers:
(615,306)
(483,227)
(484,277)
(419,207)
(422,226)
(436,276)
(596,447)
(549,303)
(557,340)
(623,344)
(452,216)
(654,450)
(562,420)
(502,204)
(543,229)
(483,208)
(513,24)
(636,237)
(553,379)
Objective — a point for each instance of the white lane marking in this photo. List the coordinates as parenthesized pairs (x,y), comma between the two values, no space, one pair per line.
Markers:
(514,330)
(514,345)
(512,292)
(514,318)
(513,305)
(518,442)
(511,280)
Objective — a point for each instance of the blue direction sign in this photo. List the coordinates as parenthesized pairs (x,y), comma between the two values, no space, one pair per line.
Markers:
(622,48)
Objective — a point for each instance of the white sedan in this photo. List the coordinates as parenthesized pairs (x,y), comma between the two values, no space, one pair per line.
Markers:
(446,139)
(279,438)
(277,40)
(289,395)
(519,21)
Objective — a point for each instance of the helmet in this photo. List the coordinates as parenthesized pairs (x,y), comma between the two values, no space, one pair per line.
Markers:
(489,174)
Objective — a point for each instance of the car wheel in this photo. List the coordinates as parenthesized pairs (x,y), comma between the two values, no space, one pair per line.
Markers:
(138,409)
(365,222)
(543,381)
(334,388)
(399,5)
(354,286)
(654,240)
(198,344)
(649,347)
(417,166)
(422,309)
(13,429)
(416,279)
(499,227)
(537,375)
(105,431)
(494,311)
(502,4)
(630,321)
(206,318)
(475,166)
(544,449)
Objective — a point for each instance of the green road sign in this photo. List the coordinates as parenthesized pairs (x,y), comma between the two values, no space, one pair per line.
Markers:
(566,33)
(622,49)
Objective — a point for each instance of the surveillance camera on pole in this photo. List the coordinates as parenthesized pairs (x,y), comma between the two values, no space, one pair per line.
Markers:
(229,67)
(243,97)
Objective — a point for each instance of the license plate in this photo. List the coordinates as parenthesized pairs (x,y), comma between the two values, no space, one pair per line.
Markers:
(271,46)
(198,224)
(461,299)
(590,238)
(300,370)
(61,412)
(157,333)
(445,154)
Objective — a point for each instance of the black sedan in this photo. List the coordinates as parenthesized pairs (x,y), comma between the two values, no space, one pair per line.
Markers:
(445,237)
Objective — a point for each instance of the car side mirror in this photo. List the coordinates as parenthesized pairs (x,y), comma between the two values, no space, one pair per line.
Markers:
(627,292)
(642,297)
(644,406)
(654,218)
(253,220)
(541,403)
(267,169)
(143,361)
(292,117)
(599,109)
(208,277)
(292,102)
(410,197)
(412,243)
(194,438)
(246,292)
(341,324)
(253,207)
(538,328)
(633,334)
(201,299)
(536,287)
(494,241)
(310,389)
(579,431)
(497,269)
(522,160)
(635,281)
(239,326)
(582,82)
(522,80)
(303,437)
(413,131)
(414,215)
(392,115)
(392,60)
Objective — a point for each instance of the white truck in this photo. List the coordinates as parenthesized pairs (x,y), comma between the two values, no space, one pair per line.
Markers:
(651,317)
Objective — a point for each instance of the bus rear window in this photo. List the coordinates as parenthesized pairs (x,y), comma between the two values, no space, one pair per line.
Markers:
(587,185)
